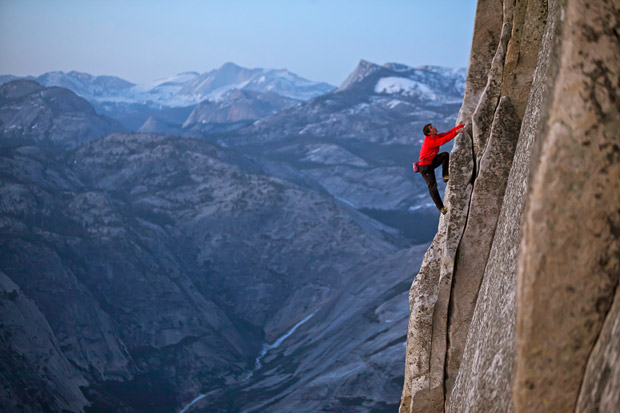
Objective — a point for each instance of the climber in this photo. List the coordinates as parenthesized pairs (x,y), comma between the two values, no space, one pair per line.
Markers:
(429,159)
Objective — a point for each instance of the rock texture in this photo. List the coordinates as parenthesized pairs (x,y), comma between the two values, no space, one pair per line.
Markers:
(55,117)
(36,376)
(417,389)
(487,28)
(473,250)
(599,390)
(239,106)
(530,320)
(569,267)
(530,18)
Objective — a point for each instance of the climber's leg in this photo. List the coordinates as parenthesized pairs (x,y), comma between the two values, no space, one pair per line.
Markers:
(443,159)
(428,173)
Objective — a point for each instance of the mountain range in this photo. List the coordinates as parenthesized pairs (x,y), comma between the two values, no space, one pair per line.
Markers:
(263,267)
(173,98)
(357,142)
(171,101)
(183,89)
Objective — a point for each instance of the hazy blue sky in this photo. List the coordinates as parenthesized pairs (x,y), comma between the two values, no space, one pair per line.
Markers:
(141,40)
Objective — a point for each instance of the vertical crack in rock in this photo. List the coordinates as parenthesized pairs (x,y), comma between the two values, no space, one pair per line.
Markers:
(473,250)
(426,340)
(458,195)
(485,378)
(487,27)
(522,54)
(570,255)
(422,299)
(483,115)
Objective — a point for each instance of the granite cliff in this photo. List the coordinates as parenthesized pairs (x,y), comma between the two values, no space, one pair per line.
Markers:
(516,306)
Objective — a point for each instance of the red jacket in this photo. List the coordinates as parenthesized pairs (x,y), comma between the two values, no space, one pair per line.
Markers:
(431,145)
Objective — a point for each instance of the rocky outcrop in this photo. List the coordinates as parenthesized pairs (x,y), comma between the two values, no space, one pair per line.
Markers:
(487,28)
(530,320)
(35,374)
(54,117)
(156,125)
(240,105)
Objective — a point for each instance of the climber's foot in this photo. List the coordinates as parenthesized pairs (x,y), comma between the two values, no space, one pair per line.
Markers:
(444,210)
(445,178)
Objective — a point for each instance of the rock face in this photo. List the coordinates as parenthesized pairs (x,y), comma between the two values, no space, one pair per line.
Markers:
(159,126)
(239,106)
(572,262)
(55,117)
(35,373)
(528,266)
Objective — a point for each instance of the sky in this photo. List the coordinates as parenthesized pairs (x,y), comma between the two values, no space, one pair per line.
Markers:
(144,40)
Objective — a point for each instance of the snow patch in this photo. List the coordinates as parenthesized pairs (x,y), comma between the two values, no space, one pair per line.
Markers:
(407,87)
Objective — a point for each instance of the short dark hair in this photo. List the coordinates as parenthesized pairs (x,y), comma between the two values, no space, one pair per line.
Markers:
(427,129)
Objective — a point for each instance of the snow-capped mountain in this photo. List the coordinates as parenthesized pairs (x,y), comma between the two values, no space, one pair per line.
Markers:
(215,84)
(87,86)
(384,104)
(183,89)
(133,104)
(428,84)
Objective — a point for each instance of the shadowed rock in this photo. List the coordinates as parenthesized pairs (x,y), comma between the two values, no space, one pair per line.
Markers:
(34,372)
(599,390)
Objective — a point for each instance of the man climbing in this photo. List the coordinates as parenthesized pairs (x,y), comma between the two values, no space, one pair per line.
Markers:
(429,160)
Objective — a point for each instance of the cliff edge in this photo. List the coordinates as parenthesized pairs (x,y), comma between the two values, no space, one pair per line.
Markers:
(516,306)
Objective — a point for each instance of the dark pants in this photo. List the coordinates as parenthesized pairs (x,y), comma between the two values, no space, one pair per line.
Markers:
(428,173)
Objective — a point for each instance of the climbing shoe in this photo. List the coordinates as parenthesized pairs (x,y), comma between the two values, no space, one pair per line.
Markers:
(444,211)
(446,178)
